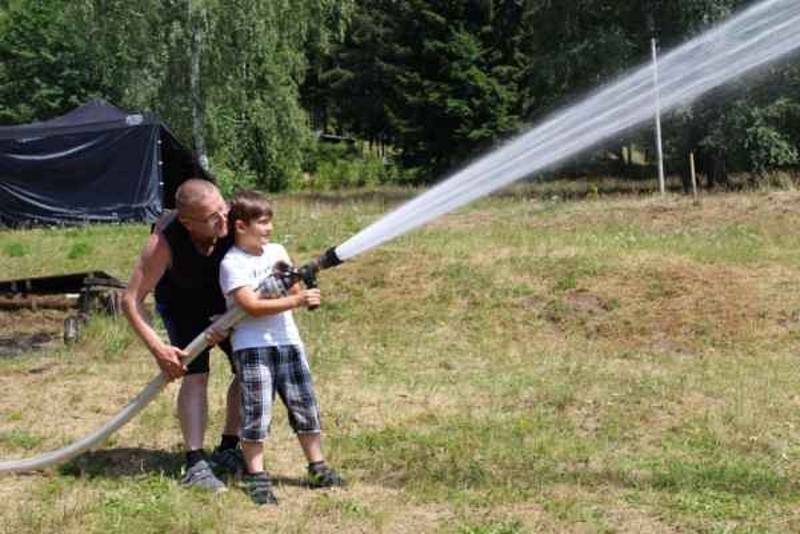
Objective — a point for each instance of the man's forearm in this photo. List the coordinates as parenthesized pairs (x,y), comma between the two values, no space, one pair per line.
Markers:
(134,312)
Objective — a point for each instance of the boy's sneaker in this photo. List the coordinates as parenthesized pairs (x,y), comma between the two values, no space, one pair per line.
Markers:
(323,476)
(200,476)
(227,462)
(259,488)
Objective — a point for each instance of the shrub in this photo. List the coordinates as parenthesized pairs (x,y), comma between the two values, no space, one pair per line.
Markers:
(343,166)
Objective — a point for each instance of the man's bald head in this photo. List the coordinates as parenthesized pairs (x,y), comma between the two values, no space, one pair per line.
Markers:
(192,193)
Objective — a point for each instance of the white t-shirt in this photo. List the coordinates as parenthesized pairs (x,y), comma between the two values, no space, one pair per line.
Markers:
(238,269)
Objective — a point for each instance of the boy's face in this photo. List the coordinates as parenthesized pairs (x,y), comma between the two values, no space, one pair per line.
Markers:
(255,233)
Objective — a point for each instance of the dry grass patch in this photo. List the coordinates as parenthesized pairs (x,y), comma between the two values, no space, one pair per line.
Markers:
(674,305)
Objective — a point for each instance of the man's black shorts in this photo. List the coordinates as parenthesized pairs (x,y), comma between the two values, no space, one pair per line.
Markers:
(183,329)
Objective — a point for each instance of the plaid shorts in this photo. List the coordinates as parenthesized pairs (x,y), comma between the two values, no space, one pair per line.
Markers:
(265,371)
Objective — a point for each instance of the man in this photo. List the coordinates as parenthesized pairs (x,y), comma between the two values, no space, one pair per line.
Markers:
(180,261)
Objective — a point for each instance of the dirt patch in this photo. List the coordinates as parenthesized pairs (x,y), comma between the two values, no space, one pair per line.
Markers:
(586,303)
(667,308)
(680,305)
(16,345)
(576,307)
(23,331)
(661,343)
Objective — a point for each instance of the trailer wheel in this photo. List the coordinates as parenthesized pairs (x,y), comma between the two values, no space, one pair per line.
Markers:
(72,329)
(113,302)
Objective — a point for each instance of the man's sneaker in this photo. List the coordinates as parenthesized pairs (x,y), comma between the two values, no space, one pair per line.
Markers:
(322,476)
(227,462)
(259,488)
(200,476)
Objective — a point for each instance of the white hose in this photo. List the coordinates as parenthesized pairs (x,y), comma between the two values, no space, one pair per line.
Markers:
(198,344)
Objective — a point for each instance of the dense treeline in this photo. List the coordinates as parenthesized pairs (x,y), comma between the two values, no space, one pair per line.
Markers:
(225,74)
(423,84)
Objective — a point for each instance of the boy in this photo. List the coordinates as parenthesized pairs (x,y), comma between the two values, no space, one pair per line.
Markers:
(267,349)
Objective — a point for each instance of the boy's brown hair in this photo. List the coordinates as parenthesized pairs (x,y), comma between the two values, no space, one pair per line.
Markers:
(248,206)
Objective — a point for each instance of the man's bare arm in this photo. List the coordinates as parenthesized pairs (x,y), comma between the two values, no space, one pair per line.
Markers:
(152,264)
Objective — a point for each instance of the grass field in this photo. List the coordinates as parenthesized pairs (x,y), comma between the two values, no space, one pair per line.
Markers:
(604,365)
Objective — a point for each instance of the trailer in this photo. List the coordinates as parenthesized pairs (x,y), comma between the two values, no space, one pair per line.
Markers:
(80,293)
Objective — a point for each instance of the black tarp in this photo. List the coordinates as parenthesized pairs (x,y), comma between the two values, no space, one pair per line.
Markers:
(97,163)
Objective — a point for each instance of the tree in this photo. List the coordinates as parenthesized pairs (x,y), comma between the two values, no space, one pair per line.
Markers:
(255,64)
(45,68)
(138,54)
(744,126)
(438,81)
(427,76)
(349,86)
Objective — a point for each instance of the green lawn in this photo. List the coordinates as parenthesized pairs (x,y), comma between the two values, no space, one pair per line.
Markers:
(604,365)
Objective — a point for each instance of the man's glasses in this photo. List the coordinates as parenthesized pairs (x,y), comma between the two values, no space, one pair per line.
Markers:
(214,218)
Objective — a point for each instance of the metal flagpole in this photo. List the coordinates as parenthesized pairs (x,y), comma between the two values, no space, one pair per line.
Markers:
(659,149)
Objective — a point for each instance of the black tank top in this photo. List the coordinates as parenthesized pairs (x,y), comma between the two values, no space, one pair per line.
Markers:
(190,286)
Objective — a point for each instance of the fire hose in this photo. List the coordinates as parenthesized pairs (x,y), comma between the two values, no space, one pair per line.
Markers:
(275,285)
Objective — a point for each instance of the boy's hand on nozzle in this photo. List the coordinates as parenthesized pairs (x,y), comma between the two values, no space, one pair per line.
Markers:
(169,360)
(310,297)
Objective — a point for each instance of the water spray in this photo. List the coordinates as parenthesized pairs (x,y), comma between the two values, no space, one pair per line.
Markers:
(275,285)
(758,36)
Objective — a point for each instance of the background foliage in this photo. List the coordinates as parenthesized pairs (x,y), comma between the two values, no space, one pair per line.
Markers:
(416,86)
